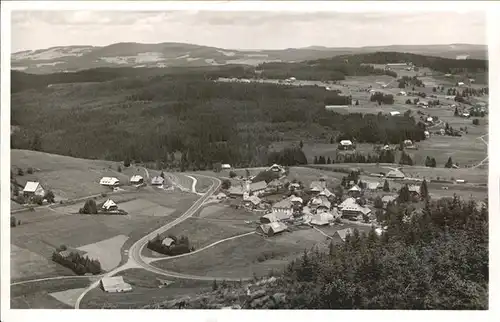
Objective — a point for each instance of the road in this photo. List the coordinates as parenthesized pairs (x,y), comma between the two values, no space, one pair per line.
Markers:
(135,259)
(152,260)
(485,159)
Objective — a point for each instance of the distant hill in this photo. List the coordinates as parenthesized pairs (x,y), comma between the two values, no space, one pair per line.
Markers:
(75,58)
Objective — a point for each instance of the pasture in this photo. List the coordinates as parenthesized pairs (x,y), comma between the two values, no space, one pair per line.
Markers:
(40,295)
(241,258)
(67,177)
(145,291)
(106,251)
(42,235)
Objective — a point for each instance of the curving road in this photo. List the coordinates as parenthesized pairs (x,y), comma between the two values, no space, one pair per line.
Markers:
(136,260)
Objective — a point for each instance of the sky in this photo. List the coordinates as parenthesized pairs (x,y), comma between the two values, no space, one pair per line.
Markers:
(245,30)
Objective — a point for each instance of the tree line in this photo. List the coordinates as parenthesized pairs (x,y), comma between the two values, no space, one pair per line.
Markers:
(77,263)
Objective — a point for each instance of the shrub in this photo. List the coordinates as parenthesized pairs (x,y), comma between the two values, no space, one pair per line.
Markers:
(20,172)
(37,200)
(30,170)
(475,121)
(89,207)
(126,163)
(226,184)
(13,221)
(49,195)
(119,169)
(232,174)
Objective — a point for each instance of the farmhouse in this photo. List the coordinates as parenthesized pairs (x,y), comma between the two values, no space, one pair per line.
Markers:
(395,174)
(395,113)
(296,200)
(257,187)
(343,233)
(345,145)
(109,205)
(462,57)
(276,168)
(355,191)
(167,242)
(271,229)
(372,186)
(322,219)
(115,284)
(275,216)
(285,205)
(225,166)
(157,181)
(294,186)
(327,193)
(109,181)
(460,83)
(236,191)
(414,190)
(352,210)
(33,188)
(220,196)
(317,186)
(252,201)
(137,179)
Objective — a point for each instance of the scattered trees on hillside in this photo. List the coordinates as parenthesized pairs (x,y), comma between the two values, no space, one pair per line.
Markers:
(382,98)
(289,156)
(226,184)
(405,159)
(475,121)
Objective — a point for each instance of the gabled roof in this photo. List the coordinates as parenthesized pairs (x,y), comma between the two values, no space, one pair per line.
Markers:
(347,202)
(355,188)
(276,227)
(108,204)
(414,188)
(345,142)
(114,282)
(350,204)
(395,174)
(235,190)
(296,199)
(281,215)
(256,186)
(322,219)
(372,185)
(167,241)
(327,193)
(271,217)
(317,186)
(109,181)
(254,200)
(157,180)
(285,203)
(136,178)
(31,186)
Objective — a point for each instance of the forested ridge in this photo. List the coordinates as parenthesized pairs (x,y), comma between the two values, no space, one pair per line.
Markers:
(147,114)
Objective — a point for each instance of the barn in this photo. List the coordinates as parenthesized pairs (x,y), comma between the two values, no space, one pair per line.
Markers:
(33,188)
(109,181)
(115,284)
(271,229)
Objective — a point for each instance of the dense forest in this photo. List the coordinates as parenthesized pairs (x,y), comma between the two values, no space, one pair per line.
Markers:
(149,114)
(436,258)
(150,118)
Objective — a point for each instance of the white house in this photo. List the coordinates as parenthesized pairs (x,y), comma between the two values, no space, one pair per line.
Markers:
(33,188)
(346,144)
(461,83)
(157,181)
(317,186)
(354,191)
(109,181)
(322,219)
(109,205)
(285,205)
(137,179)
(167,242)
(115,284)
(394,113)
(395,174)
(276,168)
(225,166)
(427,134)
(271,228)
(462,57)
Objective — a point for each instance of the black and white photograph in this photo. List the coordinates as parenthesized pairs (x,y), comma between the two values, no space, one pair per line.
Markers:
(248,159)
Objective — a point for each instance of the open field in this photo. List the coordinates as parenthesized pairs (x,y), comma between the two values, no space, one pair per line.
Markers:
(145,291)
(68,297)
(142,207)
(67,177)
(42,237)
(203,184)
(251,254)
(38,294)
(106,251)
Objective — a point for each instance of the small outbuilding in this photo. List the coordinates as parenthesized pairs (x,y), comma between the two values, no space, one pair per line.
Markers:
(115,284)
(109,205)
(137,179)
(109,181)
(157,181)
(33,188)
